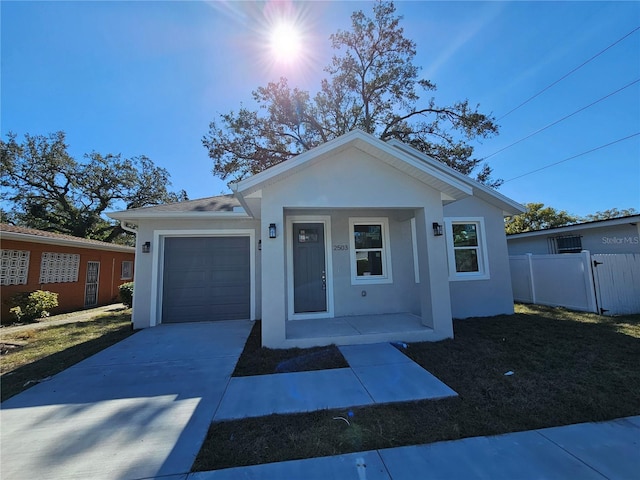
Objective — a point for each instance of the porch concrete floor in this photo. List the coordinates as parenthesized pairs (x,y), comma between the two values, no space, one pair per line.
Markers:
(355,329)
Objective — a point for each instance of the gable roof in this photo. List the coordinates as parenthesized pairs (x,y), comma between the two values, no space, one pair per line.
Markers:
(609,222)
(246,200)
(452,185)
(369,144)
(24,234)
(488,194)
(221,205)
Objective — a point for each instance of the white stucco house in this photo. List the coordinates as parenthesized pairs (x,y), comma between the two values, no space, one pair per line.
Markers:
(355,241)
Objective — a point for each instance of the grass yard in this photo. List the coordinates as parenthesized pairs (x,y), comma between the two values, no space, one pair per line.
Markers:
(256,360)
(31,355)
(568,368)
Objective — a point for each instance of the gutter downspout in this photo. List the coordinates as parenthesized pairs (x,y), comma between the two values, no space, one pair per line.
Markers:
(134,232)
(128,229)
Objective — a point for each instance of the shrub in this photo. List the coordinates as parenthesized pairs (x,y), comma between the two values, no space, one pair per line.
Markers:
(28,306)
(126,294)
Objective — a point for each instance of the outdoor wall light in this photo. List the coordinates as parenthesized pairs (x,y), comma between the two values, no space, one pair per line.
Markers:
(272,230)
(437,229)
(146,247)
(259,244)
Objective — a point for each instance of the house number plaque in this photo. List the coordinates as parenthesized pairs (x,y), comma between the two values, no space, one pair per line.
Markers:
(340,247)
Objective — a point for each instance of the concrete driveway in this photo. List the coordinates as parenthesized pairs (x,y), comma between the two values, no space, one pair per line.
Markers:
(138,409)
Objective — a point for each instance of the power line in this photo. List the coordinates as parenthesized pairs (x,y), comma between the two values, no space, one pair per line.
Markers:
(574,156)
(566,75)
(562,119)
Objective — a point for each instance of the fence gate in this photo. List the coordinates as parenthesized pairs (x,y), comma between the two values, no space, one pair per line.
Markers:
(91,287)
(617,282)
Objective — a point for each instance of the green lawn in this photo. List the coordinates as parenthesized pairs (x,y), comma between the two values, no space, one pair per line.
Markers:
(568,368)
(31,355)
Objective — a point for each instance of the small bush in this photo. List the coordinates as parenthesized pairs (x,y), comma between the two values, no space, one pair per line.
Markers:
(27,306)
(126,294)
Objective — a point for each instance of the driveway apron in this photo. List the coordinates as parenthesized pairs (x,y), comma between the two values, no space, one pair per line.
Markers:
(138,409)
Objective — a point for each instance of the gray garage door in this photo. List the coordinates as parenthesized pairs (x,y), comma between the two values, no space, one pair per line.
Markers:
(205,279)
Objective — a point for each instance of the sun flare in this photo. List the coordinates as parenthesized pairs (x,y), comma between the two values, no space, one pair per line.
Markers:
(285,42)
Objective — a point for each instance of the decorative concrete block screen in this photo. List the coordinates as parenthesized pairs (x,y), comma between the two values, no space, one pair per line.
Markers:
(59,267)
(14,267)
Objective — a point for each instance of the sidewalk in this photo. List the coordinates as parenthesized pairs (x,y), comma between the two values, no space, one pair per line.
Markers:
(606,450)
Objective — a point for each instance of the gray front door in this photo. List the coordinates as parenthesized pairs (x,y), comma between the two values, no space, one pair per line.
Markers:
(309,270)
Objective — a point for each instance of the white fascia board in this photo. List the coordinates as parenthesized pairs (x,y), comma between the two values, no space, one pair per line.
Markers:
(64,242)
(509,206)
(578,226)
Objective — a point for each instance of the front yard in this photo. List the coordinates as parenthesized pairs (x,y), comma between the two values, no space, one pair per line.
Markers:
(31,355)
(567,367)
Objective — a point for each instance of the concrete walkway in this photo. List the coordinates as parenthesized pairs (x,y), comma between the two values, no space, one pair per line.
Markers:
(607,450)
(378,373)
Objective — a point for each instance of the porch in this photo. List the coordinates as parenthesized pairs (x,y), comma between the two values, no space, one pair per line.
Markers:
(359,329)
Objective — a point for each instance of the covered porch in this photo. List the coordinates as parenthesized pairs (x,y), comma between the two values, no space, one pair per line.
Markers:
(359,329)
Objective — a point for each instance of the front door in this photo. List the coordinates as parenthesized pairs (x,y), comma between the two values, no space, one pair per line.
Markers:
(309,268)
(91,286)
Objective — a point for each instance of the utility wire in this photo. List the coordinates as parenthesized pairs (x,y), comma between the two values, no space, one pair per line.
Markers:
(561,119)
(574,156)
(566,75)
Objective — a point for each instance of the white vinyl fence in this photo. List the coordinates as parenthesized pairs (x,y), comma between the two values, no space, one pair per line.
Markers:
(608,284)
(617,282)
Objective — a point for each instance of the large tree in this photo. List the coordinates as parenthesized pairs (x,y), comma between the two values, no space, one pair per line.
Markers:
(538,217)
(373,85)
(45,188)
(608,214)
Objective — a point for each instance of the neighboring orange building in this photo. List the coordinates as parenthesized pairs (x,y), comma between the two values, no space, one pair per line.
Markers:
(84,273)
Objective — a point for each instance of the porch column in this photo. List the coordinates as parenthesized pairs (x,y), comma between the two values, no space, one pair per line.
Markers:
(435,297)
(274,313)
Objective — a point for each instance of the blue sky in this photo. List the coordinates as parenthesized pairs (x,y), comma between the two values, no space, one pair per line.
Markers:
(146,78)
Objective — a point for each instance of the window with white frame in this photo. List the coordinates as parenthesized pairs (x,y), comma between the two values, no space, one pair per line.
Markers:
(466,249)
(127,270)
(14,267)
(59,267)
(370,250)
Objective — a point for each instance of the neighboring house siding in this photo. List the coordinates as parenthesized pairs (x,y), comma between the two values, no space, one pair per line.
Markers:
(597,239)
(71,294)
(481,298)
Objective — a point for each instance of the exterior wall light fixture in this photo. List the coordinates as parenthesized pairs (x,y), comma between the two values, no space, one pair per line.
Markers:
(437,229)
(146,247)
(272,230)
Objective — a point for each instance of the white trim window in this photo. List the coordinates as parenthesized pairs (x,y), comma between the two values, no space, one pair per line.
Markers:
(127,270)
(467,249)
(370,250)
